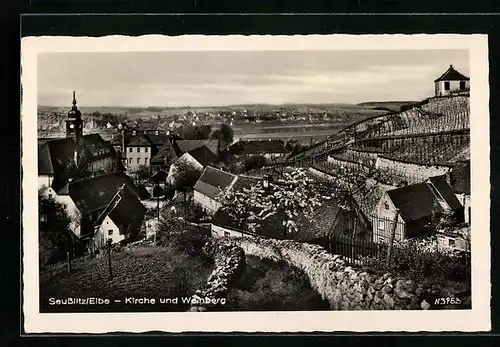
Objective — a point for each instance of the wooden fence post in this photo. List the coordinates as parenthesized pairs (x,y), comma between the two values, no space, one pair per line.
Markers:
(109,260)
(391,241)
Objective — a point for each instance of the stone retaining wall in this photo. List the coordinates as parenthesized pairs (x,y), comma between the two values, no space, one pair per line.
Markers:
(229,262)
(348,288)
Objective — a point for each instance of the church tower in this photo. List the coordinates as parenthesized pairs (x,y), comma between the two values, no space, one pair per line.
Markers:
(74,123)
(74,128)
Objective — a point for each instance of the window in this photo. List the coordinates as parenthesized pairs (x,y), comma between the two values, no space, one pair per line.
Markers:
(451,242)
(130,149)
(226,233)
(138,149)
(446,85)
(146,149)
(138,160)
(50,195)
(146,161)
(110,232)
(130,160)
(386,205)
(381,224)
(462,85)
(381,240)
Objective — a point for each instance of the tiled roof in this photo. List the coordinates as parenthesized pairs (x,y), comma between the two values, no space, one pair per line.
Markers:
(95,193)
(212,181)
(258,147)
(139,141)
(245,182)
(183,146)
(415,201)
(97,146)
(127,214)
(460,178)
(452,75)
(203,155)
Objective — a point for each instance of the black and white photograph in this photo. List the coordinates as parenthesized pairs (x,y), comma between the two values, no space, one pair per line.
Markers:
(238,179)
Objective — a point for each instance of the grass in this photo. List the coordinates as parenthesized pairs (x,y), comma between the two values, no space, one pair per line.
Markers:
(271,286)
(147,272)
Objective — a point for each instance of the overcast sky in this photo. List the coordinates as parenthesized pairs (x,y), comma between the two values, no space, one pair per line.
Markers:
(230,78)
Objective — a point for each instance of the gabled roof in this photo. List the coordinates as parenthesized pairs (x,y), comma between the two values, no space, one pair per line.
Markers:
(452,75)
(212,181)
(415,201)
(421,200)
(203,155)
(94,193)
(183,146)
(245,182)
(124,209)
(97,146)
(444,189)
(258,147)
(138,141)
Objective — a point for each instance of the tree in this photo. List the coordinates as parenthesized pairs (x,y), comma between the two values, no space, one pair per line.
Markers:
(184,178)
(254,162)
(55,235)
(141,175)
(227,133)
(293,197)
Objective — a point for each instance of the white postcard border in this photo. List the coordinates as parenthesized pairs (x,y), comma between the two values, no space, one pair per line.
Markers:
(477,319)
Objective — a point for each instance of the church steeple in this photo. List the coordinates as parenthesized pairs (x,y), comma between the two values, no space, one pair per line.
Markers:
(74,127)
(74,123)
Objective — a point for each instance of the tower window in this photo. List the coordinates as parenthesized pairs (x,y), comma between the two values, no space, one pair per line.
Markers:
(130,149)
(146,149)
(386,205)
(462,85)
(138,149)
(446,85)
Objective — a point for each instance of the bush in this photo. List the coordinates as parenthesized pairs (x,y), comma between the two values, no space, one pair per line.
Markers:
(421,261)
(189,240)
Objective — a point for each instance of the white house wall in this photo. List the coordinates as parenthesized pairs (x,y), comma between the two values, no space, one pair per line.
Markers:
(103,235)
(206,202)
(387,216)
(218,231)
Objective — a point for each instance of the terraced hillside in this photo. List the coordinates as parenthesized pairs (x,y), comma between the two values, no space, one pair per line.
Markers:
(434,131)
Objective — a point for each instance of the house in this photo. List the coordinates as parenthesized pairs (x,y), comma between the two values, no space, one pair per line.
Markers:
(456,240)
(209,186)
(451,81)
(150,148)
(107,205)
(270,149)
(417,204)
(460,183)
(198,159)
(138,154)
